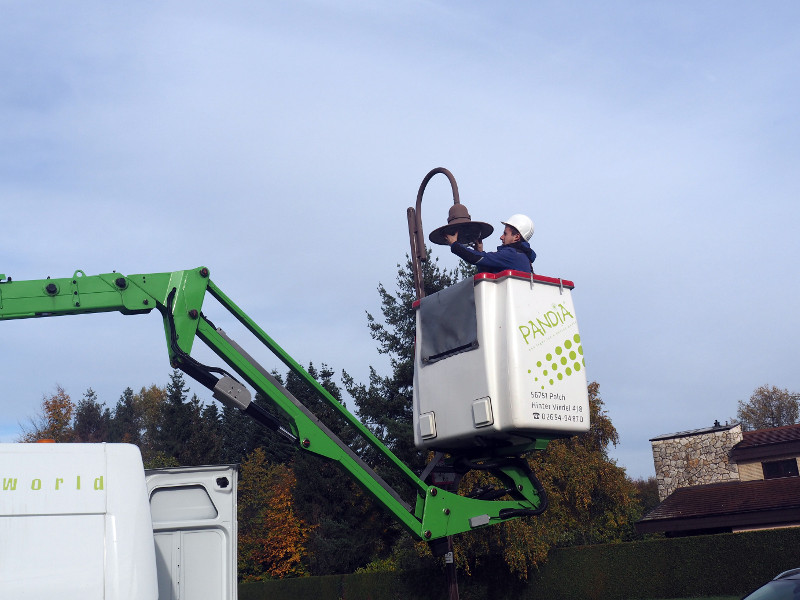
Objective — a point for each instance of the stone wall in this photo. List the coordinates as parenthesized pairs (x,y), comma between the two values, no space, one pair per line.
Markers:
(695,458)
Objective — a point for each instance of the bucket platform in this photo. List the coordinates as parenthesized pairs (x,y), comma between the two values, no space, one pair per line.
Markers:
(498,365)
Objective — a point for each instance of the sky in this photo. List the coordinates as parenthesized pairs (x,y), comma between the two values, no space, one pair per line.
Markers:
(280,144)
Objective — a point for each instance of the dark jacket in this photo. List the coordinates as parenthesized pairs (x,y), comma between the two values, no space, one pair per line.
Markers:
(517,256)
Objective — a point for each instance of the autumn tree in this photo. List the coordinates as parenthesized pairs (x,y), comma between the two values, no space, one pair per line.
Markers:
(590,501)
(55,420)
(272,536)
(767,407)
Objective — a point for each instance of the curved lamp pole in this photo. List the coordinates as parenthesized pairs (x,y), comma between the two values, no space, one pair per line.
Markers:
(416,236)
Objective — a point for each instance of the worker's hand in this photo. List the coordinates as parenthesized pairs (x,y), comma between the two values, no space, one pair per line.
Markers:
(478,245)
(451,239)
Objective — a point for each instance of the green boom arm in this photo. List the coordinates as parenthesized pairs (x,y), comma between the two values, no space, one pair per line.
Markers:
(179,297)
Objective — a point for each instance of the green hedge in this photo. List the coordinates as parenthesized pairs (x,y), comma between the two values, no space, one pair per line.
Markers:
(712,565)
(304,588)
(724,564)
(409,585)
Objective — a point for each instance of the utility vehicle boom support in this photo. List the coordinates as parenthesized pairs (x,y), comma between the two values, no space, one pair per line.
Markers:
(179,297)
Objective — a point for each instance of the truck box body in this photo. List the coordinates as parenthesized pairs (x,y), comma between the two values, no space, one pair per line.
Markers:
(80,521)
(75,523)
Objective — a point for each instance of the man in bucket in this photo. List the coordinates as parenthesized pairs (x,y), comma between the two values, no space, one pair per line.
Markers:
(515,253)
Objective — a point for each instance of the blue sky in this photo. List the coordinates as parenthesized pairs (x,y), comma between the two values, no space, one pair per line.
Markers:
(653,143)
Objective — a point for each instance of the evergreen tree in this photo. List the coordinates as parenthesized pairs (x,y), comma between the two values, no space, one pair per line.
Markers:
(647,490)
(127,420)
(175,422)
(211,434)
(348,528)
(240,435)
(92,420)
(385,403)
(236,435)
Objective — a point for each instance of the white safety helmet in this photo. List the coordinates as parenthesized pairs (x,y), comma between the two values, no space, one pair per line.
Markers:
(522,224)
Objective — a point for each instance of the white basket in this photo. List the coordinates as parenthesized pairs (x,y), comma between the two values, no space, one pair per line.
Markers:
(525,378)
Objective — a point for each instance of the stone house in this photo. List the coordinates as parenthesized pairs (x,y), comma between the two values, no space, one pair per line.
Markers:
(723,479)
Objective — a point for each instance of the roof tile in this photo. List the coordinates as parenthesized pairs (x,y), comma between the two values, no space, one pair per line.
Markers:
(730,498)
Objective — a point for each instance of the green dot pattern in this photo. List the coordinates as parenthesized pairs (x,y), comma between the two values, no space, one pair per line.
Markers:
(564,354)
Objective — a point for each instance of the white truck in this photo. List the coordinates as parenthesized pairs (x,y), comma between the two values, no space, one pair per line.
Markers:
(86,522)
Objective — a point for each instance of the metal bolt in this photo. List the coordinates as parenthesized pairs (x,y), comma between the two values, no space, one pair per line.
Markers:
(446,511)
(77,304)
(203,272)
(428,534)
(51,289)
(433,491)
(193,314)
(121,283)
(519,487)
(306,443)
(145,301)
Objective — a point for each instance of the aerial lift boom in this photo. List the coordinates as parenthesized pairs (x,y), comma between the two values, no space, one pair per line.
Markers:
(179,297)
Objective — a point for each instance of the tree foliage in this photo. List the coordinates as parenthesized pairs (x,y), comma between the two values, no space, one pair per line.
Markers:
(272,536)
(384,404)
(647,489)
(92,421)
(55,420)
(767,407)
(591,499)
(349,528)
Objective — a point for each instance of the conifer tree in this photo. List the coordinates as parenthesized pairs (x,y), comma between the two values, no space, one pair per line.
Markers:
(385,402)
(127,421)
(349,529)
(92,420)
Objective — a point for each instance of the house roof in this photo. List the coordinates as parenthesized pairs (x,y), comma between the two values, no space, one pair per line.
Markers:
(680,434)
(767,443)
(730,504)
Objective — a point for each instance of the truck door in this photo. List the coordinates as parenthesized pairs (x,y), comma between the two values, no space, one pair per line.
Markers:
(195,531)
